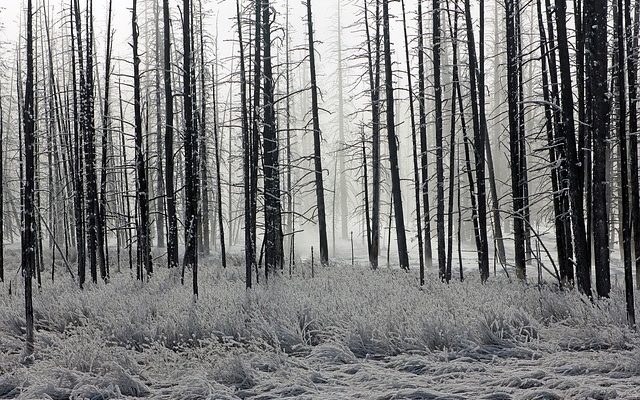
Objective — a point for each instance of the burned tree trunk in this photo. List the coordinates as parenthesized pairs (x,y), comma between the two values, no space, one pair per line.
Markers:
(512,7)
(403,255)
(93,221)
(573,162)
(160,175)
(317,156)
(374,84)
(632,33)
(255,130)
(29,211)
(624,171)
(495,203)
(190,154)
(556,178)
(416,173)
(598,106)
(442,257)
(453,27)
(78,126)
(424,162)
(249,247)
(142,193)
(479,143)
(102,211)
(172,231)
(273,216)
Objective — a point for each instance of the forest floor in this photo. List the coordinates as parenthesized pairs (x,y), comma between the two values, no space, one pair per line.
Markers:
(347,333)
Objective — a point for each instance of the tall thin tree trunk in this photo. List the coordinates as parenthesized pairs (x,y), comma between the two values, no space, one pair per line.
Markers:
(556,179)
(273,217)
(290,205)
(93,222)
(29,212)
(632,33)
(317,156)
(144,241)
(78,125)
(562,170)
(424,161)
(479,147)
(452,151)
(403,254)
(512,7)
(624,171)
(374,84)
(495,203)
(190,153)
(416,173)
(255,132)
(598,105)
(203,144)
(437,89)
(160,176)
(102,233)
(172,231)
(365,190)
(573,162)
(249,248)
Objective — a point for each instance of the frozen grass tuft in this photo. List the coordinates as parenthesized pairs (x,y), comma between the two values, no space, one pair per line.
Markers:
(332,353)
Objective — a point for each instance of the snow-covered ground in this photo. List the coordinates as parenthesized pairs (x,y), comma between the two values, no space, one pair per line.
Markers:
(347,333)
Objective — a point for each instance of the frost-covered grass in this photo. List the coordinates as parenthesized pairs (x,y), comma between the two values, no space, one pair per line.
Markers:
(297,337)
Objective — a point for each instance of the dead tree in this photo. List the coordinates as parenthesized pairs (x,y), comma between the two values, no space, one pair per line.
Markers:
(374,87)
(78,125)
(437,89)
(495,202)
(93,222)
(598,106)
(271,167)
(317,156)
(624,171)
(102,210)
(632,33)
(416,173)
(512,7)
(160,176)
(403,254)
(255,132)
(551,125)
(479,147)
(144,262)
(424,160)
(172,231)
(29,211)
(190,154)
(249,245)
(573,161)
